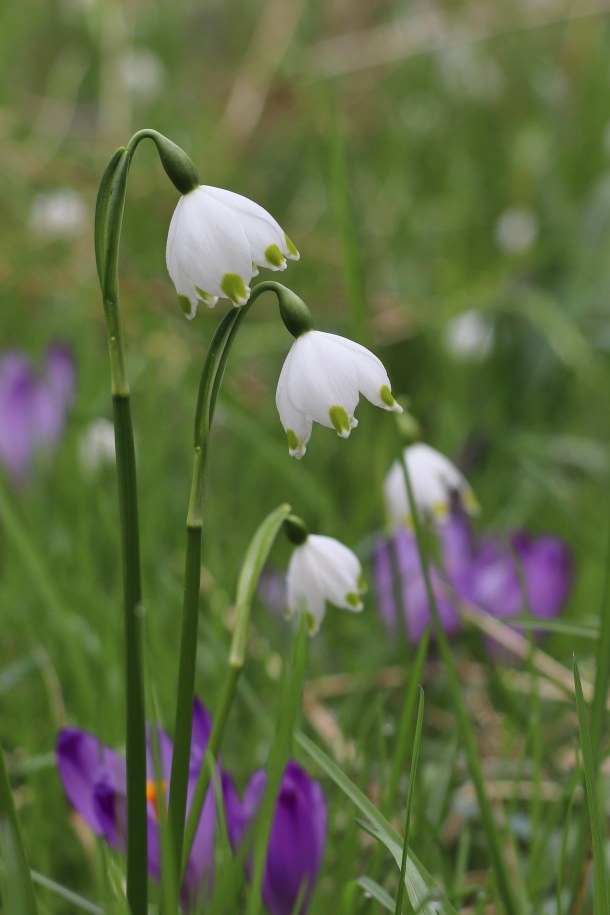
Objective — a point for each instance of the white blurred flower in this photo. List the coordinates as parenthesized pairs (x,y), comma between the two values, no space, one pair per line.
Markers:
(96,446)
(469,336)
(216,242)
(436,484)
(516,230)
(321,380)
(142,72)
(58,213)
(322,569)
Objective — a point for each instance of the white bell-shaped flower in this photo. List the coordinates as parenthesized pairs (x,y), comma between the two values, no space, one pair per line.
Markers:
(322,569)
(436,483)
(321,381)
(217,241)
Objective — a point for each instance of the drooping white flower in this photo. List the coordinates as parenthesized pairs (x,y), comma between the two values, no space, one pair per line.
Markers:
(216,242)
(322,569)
(436,484)
(321,381)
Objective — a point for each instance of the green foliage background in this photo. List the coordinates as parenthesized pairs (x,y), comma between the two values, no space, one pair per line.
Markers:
(388,139)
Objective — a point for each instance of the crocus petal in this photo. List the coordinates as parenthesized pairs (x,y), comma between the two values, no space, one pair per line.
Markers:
(85,765)
(383,579)
(18,385)
(297,838)
(546,565)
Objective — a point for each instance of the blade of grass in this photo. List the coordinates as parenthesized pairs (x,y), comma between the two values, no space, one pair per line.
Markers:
(420,887)
(601,895)
(15,855)
(404,730)
(412,776)
(376,892)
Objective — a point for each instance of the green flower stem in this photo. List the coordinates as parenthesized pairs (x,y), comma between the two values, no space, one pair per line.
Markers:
(505,881)
(278,757)
(256,557)
(211,379)
(16,861)
(108,222)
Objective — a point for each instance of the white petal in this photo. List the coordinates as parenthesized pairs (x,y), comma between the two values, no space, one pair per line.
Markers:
(303,593)
(260,227)
(205,242)
(433,477)
(320,375)
(296,424)
(337,568)
(372,377)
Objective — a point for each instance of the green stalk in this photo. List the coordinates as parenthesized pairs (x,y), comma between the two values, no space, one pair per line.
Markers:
(256,557)
(22,888)
(211,378)
(278,757)
(412,776)
(500,869)
(601,892)
(109,212)
(109,218)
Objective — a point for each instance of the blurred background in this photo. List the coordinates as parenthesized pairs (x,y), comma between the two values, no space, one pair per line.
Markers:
(443,168)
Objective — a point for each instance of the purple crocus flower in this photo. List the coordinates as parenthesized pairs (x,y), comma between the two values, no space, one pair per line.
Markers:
(94,779)
(506,579)
(33,407)
(297,838)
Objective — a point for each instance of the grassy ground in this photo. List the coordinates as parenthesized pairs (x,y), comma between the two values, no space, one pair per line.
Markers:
(391,142)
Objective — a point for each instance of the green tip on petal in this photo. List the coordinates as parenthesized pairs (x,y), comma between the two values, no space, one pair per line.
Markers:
(353,600)
(362,585)
(340,421)
(234,288)
(206,297)
(389,400)
(312,623)
(274,257)
(186,306)
(292,249)
(295,447)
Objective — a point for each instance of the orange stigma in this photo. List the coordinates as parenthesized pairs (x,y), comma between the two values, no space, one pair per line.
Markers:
(152,793)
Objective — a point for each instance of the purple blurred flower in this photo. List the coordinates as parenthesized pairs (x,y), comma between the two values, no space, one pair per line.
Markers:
(94,778)
(507,579)
(297,839)
(33,407)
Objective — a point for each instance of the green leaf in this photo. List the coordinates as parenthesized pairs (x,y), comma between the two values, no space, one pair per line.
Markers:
(372,889)
(423,893)
(601,897)
(101,210)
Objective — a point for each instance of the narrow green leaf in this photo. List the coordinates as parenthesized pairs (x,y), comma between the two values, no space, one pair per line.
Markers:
(404,730)
(101,210)
(412,776)
(16,870)
(601,896)
(376,892)
(420,887)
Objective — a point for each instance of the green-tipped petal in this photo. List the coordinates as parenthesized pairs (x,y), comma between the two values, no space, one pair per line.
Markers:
(233,286)
(340,421)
